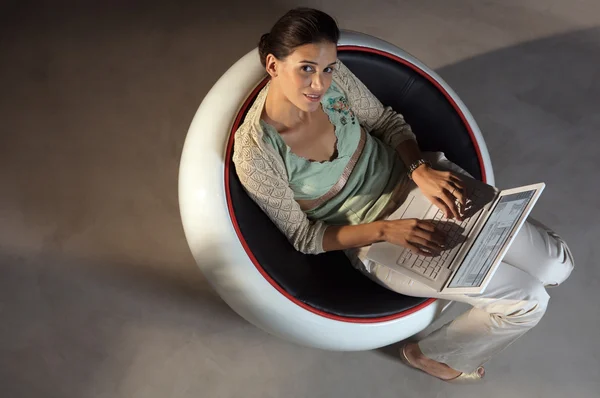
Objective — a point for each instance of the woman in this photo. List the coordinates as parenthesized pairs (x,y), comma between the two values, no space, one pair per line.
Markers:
(327,162)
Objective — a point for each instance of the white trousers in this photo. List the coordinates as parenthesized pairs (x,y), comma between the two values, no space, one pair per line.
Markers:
(514,301)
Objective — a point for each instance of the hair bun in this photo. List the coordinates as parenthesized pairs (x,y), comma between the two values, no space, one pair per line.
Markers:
(263,47)
(264,39)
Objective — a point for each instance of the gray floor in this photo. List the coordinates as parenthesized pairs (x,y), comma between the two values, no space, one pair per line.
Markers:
(99,295)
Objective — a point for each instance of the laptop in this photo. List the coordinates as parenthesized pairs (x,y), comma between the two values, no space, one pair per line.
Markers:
(474,247)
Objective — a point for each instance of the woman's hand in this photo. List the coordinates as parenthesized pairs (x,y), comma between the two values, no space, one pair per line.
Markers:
(443,188)
(417,235)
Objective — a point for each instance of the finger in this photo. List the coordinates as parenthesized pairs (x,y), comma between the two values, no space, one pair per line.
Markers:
(452,186)
(438,237)
(425,225)
(459,185)
(417,250)
(429,245)
(450,201)
(456,177)
(456,195)
(442,206)
(460,195)
(461,202)
(459,191)
(431,232)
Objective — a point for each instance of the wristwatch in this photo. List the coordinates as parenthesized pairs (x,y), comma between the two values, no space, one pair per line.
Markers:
(416,165)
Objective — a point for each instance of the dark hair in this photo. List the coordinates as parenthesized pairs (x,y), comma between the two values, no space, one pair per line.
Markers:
(297,27)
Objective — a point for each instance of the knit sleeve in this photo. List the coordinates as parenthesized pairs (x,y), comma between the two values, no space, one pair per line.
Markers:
(382,122)
(265,181)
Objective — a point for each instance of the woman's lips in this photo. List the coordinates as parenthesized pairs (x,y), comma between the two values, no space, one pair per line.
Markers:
(312,97)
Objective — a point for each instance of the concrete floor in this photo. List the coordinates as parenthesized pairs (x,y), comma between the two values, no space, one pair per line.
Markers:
(99,295)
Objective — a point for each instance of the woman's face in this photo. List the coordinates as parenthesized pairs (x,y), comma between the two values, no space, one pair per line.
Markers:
(305,75)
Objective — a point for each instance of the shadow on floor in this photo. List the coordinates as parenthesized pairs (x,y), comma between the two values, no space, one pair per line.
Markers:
(73,323)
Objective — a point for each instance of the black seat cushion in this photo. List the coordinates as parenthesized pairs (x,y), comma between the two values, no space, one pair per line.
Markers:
(328,282)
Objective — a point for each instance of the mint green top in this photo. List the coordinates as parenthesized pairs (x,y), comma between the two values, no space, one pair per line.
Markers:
(368,189)
(264,165)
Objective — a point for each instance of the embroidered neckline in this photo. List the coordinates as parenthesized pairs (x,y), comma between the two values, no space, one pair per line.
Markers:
(342,107)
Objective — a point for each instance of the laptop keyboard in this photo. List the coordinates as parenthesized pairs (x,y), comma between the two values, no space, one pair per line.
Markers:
(430,267)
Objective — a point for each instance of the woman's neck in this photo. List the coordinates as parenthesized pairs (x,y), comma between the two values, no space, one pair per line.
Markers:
(280,112)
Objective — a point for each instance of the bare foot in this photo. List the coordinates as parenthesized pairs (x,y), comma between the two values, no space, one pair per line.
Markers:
(434,368)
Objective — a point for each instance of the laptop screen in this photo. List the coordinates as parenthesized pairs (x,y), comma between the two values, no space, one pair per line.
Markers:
(491,239)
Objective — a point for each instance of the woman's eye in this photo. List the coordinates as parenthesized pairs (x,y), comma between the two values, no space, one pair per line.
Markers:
(308,68)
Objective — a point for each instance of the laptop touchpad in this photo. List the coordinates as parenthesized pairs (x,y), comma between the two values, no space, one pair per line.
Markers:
(418,207)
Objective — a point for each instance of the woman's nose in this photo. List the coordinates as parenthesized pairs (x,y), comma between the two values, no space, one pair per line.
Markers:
(317,83)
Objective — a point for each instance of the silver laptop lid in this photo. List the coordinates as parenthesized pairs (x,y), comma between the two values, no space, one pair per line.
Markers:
(492,238)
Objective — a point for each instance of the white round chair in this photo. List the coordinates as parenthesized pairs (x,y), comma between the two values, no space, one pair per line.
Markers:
(319,301)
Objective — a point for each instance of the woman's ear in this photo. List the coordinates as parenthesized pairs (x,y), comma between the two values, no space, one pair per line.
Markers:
(272,65)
